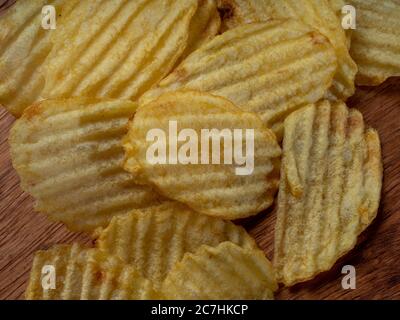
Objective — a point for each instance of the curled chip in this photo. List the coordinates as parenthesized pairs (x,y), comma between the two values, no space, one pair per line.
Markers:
(226,272)
(68,155)
(331,180)
(24,45)
(204,26)
(71,272)
(203,151)
(320,15)
(270,68)
(376,41)
(154,239)
(117,49)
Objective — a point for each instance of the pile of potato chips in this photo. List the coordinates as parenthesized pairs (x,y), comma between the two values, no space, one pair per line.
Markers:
(89,89)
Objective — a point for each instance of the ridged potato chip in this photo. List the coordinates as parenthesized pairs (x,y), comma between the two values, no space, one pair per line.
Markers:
(319,14)
(226,272)
(204,26)
(197,175)
(331,179)
(118,48)
(337,6)
(154,239)
(376,40)
(85,274)
(270,68)
(24,45)
(68,155)
(237,12)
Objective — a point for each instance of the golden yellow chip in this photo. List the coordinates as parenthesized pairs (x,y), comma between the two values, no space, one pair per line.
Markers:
(203,151)
(68,155)
(71,272)
(269,68)
(24,45)
(376,41)
(153,240)
(337,6)
(331,180)
(319,14)
(204,26)
(237,12)
(118,48)
(226,272)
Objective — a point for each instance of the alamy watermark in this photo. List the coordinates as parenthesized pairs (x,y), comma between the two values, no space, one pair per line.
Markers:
(49,17)
(48,277)
(349,17)
(349,280)
(198,150)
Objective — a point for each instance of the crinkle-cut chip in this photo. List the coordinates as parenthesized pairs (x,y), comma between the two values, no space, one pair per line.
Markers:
(204,26)
(24,45)
(320,15)
(376,41)
(225,272)
(68,155)
(154,240)
(237,12)
(270,68)
(85,274)
(226,190)
(331,179)
(117,49)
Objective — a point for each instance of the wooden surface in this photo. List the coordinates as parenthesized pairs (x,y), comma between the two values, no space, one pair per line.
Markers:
(376,258)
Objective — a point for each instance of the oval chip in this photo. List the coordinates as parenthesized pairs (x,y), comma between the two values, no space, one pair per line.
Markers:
(118,48)
(376,40)
(331,179)
(226,272)
(203,151)
(68,155)
(71,272)
(154,239)
(319,14)
(270,68)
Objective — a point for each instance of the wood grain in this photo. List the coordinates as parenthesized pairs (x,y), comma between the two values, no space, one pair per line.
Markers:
(376,258)
(22,231)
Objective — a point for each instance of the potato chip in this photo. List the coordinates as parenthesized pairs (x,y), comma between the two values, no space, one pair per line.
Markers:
(237,12)
(270,68)
(320,15)
(68,155)
(117,49)
(226,272)
(71,272)
(337,6)
(376,40)
(24,45)
(331,179)
(204,26)
(211,135)
(154,239)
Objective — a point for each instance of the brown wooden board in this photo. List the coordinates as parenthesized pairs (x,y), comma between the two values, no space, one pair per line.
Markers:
(376,258)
